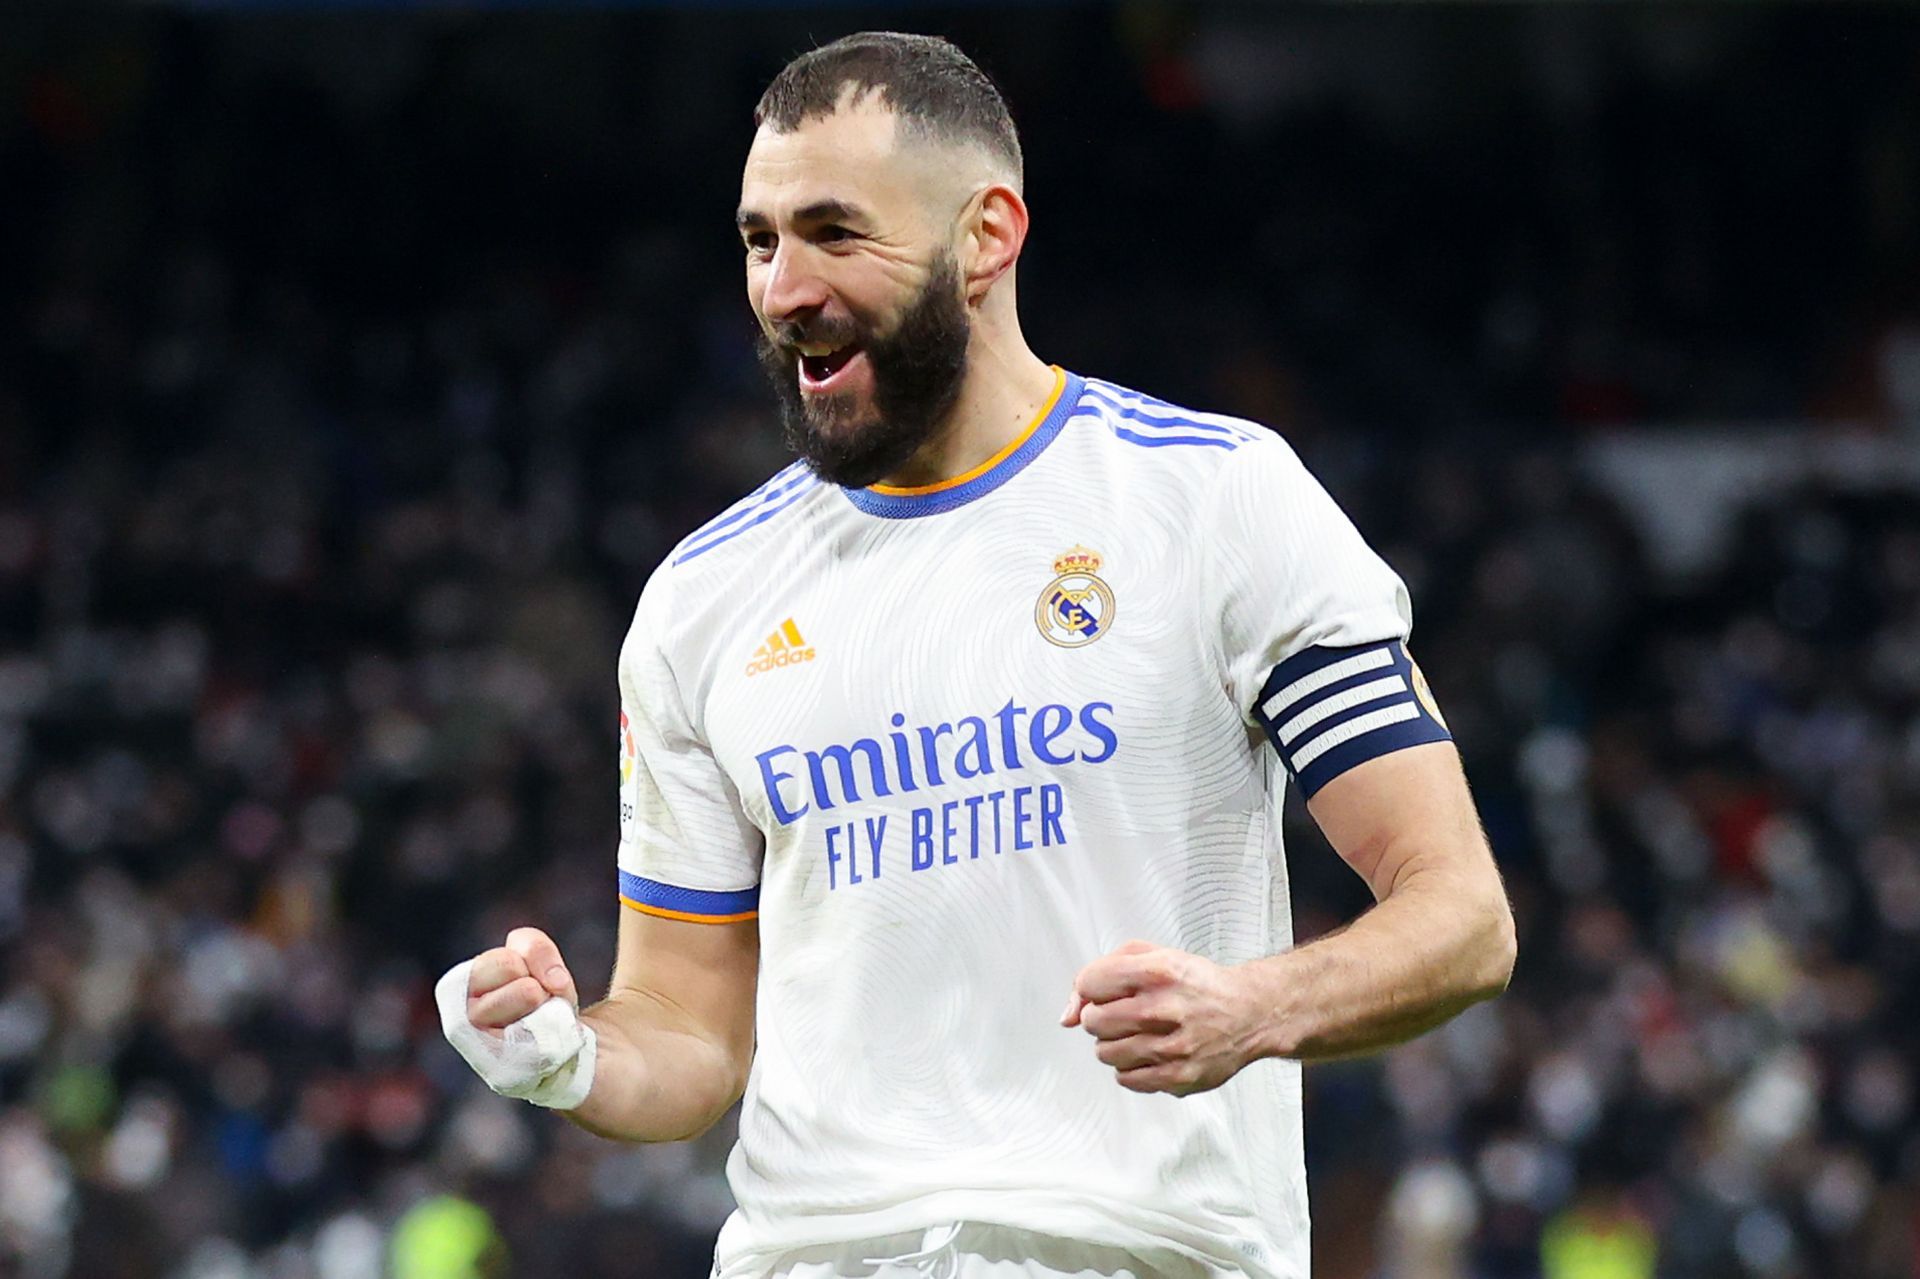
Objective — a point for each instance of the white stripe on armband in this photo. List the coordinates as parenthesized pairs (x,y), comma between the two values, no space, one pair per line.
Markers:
(1327,709)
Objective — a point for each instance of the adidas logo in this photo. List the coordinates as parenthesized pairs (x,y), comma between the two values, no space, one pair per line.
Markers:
(784,647)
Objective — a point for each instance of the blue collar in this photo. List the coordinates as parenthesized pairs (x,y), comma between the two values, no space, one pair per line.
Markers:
(906,504)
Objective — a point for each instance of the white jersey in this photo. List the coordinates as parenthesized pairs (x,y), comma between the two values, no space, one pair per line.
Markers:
(951,745)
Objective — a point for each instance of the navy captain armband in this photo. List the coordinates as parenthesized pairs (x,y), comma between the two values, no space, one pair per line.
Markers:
(1327,709)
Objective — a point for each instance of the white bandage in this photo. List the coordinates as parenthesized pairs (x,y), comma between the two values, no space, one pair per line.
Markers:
(546,1057)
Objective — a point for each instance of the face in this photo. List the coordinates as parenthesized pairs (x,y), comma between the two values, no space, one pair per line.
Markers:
(864,327)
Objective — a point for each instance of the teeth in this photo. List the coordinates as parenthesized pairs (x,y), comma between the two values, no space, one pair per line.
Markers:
(816,349)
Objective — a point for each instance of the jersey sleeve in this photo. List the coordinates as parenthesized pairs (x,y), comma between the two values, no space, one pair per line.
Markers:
(1313,624)
(687,849)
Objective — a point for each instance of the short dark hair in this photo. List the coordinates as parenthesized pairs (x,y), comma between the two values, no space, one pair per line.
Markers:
(925,80)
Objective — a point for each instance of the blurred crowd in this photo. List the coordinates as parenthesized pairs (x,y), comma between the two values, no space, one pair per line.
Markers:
(350,388)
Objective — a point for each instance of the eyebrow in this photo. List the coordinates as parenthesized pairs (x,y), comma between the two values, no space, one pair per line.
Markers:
(818,211)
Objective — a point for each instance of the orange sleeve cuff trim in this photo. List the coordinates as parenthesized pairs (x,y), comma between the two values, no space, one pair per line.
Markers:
(663,913)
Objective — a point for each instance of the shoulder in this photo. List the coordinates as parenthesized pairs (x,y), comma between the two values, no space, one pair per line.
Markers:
(781,499)
(703,569)
(1147,422)
(1180,442)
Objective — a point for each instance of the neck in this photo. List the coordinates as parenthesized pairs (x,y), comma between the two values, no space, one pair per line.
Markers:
(1006,387)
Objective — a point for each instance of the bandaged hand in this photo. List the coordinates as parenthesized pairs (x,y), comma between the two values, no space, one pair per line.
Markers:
(513,1014)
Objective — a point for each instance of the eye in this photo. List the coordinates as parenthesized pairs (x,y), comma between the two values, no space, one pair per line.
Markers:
(760,243)
(833,234)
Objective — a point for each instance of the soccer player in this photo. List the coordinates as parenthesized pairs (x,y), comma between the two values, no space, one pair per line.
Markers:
(986,706)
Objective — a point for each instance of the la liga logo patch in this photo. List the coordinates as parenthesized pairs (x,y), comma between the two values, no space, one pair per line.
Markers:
(627,751)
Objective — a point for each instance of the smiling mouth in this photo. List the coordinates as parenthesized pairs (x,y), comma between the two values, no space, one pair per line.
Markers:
(816,371)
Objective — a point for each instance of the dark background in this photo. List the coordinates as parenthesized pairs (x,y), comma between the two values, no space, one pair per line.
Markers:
(356,367)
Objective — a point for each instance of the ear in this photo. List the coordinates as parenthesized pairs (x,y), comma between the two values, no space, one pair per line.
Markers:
(995,231)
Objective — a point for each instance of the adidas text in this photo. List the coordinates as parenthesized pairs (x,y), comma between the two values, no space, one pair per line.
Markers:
(785,657)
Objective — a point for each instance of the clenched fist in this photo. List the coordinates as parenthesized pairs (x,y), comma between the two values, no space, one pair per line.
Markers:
(510,981)
(1166,1020)
(513,1014)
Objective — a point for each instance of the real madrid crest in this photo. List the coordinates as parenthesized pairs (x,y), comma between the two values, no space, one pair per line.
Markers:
(1076,607)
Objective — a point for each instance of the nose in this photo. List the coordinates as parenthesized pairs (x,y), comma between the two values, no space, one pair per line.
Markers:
(791,289)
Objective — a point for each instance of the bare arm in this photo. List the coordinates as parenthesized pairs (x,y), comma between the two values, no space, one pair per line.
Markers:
(1439,939)
(672,1039)
(675,1030)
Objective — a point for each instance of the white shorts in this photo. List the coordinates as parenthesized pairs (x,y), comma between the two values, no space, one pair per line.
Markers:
(972,1250)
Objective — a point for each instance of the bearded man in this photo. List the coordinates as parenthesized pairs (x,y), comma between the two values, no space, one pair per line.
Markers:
(987,704)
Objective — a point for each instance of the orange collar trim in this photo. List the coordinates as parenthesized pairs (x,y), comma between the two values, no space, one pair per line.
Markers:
(920,490)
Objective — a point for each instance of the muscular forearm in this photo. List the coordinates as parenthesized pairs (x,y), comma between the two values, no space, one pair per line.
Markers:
(1439,943)
(657,1077)
(1440,940)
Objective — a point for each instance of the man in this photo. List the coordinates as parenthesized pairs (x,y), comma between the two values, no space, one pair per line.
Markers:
(989,704)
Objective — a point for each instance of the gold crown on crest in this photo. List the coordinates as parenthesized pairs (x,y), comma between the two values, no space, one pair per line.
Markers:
(1078,560)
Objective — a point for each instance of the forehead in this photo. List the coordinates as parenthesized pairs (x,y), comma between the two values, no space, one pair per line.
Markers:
(848,156)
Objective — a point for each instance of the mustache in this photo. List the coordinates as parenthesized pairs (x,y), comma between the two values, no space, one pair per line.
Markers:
(790,334)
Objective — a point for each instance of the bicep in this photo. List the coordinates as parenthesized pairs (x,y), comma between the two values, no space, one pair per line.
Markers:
(707,973)
(1405,811)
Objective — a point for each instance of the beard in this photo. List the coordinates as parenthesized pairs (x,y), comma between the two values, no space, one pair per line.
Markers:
(917,373)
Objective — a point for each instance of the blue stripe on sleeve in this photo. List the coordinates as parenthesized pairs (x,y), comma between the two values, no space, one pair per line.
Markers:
(783,480)
(1161,441)
(796,490)
(701,902)
(1161,414)
(1150,431)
